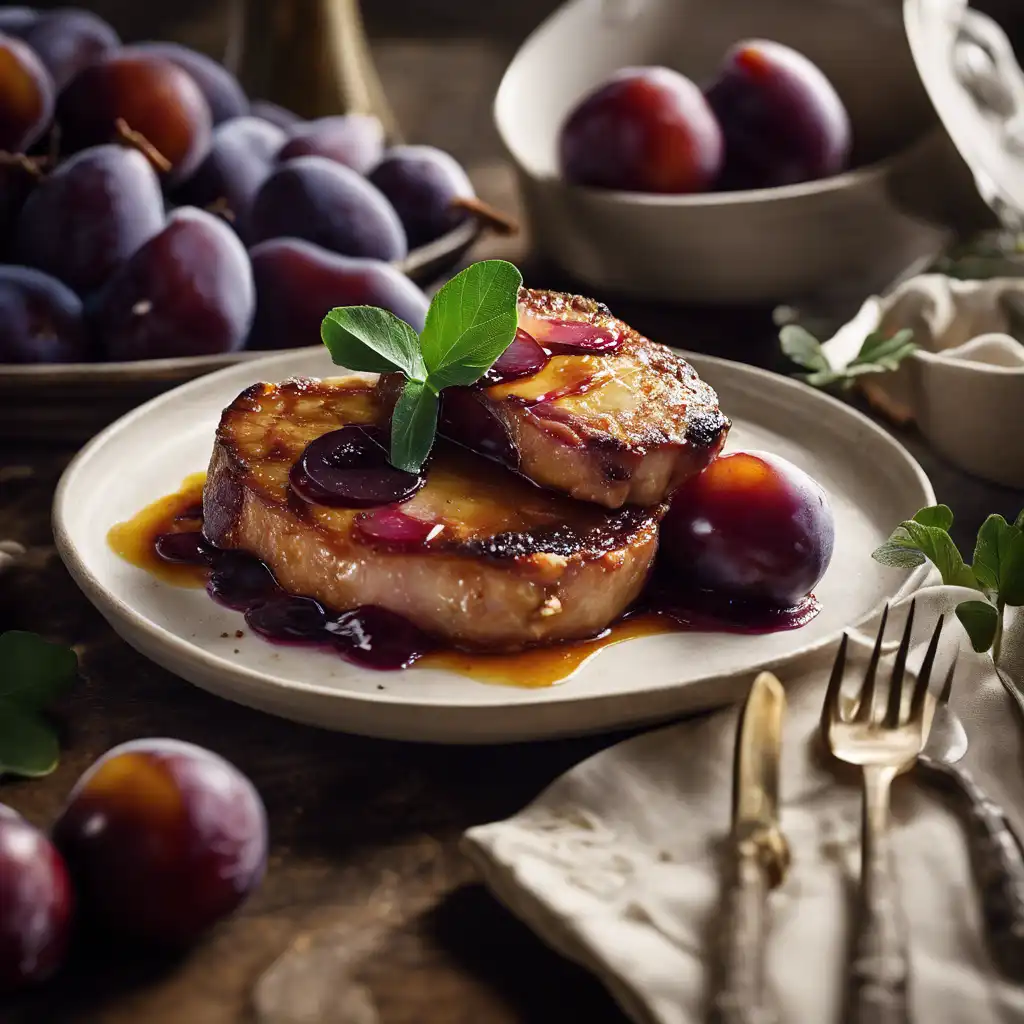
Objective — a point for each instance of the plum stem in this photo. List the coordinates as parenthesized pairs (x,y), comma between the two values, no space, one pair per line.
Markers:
(497,221)
(32,166)
(128,135)
(221,208)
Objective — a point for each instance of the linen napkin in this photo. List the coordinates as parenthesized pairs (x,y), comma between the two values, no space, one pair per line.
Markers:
(616,865)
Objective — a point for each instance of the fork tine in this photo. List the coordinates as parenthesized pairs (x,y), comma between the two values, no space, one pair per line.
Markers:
(892,711)
(831,709)
(924,675)
(947,686)
(867,693)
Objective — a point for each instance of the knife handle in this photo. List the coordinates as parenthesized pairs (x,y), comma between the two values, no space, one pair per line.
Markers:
(998,860)
(739,993)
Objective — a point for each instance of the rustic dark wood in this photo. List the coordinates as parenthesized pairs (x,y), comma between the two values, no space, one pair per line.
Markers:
(365,867)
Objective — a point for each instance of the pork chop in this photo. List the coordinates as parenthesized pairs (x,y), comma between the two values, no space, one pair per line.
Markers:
(496,563)
(608,416)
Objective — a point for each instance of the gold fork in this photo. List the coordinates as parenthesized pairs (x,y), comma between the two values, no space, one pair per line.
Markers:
(881,746)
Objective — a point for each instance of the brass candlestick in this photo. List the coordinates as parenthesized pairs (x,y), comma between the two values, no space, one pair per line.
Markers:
(311,56)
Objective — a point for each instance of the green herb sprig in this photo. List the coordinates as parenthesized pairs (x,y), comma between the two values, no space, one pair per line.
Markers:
(470,322)
(997,569)
(878,354)
(33,674)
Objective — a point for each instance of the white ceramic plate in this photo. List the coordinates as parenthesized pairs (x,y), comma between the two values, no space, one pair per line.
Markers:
(872,482)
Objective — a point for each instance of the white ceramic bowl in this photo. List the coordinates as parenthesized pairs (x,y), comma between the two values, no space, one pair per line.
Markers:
(964,386)
(751,246)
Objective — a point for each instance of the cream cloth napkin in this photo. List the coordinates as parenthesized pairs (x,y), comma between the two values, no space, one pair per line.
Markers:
(614,865)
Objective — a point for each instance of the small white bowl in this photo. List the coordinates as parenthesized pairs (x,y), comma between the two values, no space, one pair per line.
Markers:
(964,386)
(751,246)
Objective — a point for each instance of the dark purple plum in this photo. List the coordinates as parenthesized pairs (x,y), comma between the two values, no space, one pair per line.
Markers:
(36,905)
(240,159)
(152,95)
(643,130)
(298,283)
(782,119)
(324,202)
(16,21)
(68,39)
(28,96)
(18,177)
(88,217)
(41,319)
(422,184)
(753,527)
(349,468)
(282,117)
(355,140)
(523,358)
(163,839)
(188,291)
(218,85)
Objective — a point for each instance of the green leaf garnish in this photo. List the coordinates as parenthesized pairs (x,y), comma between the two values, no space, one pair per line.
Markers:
(412,426)
(996,571)
(878,354)
(981,620)
(372,340)
(470,322)
(33,674)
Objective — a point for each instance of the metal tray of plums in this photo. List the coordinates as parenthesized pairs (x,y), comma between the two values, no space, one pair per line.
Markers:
(141,247)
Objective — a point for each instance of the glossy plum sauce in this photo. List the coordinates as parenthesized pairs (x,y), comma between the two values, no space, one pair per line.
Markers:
(371,637)
(349,468)
(529,352)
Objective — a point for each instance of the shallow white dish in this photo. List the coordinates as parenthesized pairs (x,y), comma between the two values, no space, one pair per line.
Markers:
(872,481)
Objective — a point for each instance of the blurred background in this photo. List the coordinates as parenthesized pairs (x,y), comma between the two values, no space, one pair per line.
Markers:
(440,63)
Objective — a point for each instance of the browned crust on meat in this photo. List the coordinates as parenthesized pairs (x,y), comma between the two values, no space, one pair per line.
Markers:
(636,453)
(498,591)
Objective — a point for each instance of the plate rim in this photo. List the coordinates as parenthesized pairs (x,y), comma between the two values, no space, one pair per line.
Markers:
(106,601)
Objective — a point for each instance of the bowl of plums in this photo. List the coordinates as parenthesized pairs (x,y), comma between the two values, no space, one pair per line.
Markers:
(156,223)
(724,150)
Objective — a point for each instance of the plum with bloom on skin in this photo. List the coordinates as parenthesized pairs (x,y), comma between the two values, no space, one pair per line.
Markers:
(752,526)
(782,119)
(643,130)
(163,839)
(36,904)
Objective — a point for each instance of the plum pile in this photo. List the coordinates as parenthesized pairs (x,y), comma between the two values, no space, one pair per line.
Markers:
(148,209)
(769,118)
(157,842)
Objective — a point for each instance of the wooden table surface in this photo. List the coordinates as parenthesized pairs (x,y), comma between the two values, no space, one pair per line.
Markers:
(368,905)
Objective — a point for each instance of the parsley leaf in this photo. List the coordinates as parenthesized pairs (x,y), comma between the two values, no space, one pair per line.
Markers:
(879,353)
(33,674)
(470,322)
(996,571)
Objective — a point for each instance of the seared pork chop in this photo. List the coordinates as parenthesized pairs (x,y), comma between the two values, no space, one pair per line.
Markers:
(495,563)
(606,416)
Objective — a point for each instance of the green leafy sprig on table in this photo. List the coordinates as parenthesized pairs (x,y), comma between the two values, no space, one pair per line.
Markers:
(997,569)
(470,322)
(878,354)
(33,674)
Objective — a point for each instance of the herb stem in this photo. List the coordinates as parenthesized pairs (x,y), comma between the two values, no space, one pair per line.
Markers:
(997,640)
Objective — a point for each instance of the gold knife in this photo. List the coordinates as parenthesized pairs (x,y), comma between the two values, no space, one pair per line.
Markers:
(758,861)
